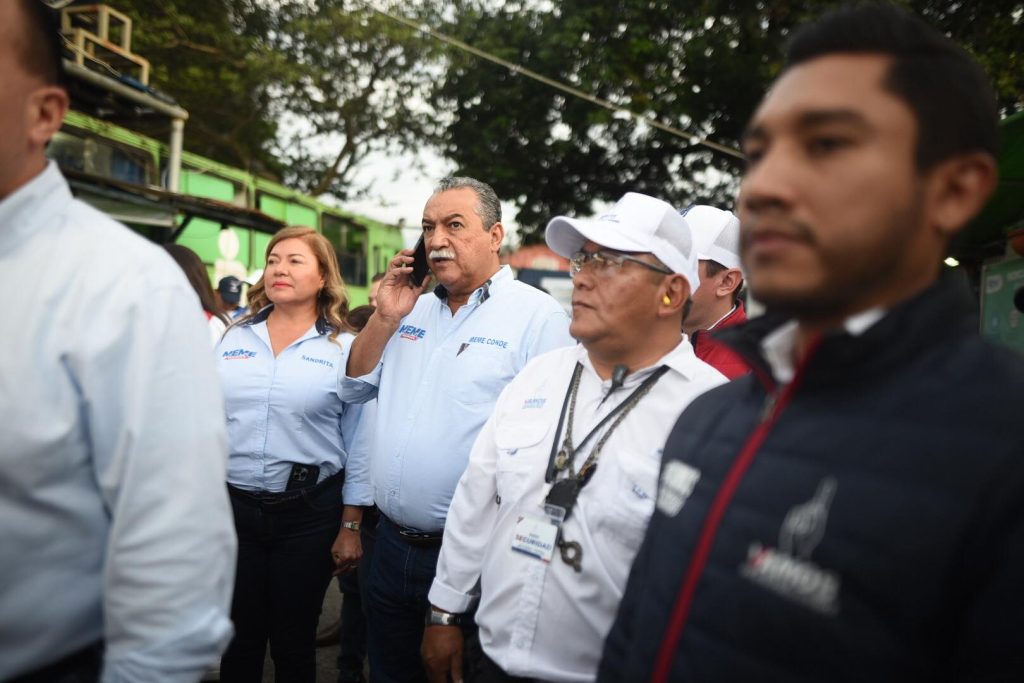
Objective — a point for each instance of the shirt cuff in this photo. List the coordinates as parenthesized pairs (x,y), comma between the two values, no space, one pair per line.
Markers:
(449,599)
(359,389)
(357,494)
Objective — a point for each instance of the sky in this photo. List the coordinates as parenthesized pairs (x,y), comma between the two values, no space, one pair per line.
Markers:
(401,188)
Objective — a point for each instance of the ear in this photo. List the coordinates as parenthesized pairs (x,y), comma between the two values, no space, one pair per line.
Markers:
(47,107)
(497,233)
(960,187)
(676,290)
(730,280)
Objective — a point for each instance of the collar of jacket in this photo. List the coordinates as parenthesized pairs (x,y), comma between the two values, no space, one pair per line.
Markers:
(941,313)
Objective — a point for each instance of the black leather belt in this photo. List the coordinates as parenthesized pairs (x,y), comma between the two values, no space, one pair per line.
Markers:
(281,501)
(420,539)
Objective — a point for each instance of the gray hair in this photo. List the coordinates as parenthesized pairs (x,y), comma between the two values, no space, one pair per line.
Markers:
(487,207)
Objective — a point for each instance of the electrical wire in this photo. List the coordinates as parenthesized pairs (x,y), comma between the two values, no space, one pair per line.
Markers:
(575,92)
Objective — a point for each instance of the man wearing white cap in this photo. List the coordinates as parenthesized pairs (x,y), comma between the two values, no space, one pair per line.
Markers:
(548,516)
(716,303)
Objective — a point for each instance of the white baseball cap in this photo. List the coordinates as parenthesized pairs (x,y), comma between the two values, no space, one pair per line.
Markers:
(716,234)
(637,223)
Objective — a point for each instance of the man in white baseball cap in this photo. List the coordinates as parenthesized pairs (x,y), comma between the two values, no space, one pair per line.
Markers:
(717,303)
(548,516)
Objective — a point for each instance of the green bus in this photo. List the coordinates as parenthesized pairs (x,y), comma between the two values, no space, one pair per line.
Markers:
(224,214)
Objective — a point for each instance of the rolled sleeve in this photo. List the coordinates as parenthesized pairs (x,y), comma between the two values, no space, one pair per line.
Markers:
(357,427)
(359,389)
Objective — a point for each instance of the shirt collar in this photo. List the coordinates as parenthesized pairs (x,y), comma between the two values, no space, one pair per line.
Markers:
(778,345)
(322,326)
(681,359)
(728,313)
(33,204)
(483,292)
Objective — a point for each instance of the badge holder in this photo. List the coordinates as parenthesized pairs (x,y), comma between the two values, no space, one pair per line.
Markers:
(538,534)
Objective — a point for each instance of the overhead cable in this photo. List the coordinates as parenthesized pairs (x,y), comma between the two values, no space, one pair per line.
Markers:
(575,92)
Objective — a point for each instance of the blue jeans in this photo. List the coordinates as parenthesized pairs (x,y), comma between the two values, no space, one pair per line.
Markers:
(352,636)
(396,594)
(284,568)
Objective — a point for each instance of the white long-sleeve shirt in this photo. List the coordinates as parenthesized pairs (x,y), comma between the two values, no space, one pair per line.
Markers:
(114,519)
(545,620)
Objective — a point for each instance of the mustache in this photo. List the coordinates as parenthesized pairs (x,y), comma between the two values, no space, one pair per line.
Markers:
(441,253)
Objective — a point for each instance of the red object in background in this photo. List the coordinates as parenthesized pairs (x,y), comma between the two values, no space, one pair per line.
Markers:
(1016,240)
(537,256)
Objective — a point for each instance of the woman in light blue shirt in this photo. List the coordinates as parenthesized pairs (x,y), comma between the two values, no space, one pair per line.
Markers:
(295,454)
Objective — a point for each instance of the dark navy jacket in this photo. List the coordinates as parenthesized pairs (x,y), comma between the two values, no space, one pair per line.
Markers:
(865,523)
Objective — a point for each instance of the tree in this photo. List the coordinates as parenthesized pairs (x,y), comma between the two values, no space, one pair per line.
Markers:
(297,90)
(700,66)
(213,58)
(360,86)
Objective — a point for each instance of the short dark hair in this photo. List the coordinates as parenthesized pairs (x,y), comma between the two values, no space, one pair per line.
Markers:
(948,91)
(41,43)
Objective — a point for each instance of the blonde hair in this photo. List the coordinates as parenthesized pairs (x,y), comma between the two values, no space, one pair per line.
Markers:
(331,302)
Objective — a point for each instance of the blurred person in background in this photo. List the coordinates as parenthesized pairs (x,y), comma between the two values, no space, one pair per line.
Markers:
(229,297)
(374,286)
(297,465)
(195,271)
(115,528)
(716,302)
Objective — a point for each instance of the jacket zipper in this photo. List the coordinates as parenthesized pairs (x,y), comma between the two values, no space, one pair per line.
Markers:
(775,402)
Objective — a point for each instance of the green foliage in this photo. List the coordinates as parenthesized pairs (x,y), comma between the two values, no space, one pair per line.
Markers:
(304,90)
(361,86)
(699,66)
(212,57)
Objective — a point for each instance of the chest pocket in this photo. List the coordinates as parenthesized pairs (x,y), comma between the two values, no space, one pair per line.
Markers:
(479,373)
(522,456)
(633,481)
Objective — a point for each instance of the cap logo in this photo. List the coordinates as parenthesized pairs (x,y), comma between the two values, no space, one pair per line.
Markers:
(610,217)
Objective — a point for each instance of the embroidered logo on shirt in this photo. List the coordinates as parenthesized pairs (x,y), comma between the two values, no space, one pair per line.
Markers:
(318,361)
(238,354)
(788,570)
(677,482)
(411,332)
(489,342)
(533,403)
(462,347)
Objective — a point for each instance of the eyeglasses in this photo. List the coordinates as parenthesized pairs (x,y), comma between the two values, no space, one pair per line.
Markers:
(601,262)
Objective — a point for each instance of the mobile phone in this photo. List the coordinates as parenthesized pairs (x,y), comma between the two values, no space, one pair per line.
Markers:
(302,476)
(420,268)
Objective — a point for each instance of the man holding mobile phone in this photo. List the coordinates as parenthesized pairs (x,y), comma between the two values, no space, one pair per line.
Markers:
(436,364)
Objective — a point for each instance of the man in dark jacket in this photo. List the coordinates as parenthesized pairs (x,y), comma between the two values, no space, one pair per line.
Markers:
(854,509)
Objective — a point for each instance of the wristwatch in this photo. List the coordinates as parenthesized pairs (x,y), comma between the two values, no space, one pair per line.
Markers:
(351,526)
(438,617)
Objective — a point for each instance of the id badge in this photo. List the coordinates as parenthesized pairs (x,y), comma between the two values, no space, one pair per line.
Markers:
(537,535)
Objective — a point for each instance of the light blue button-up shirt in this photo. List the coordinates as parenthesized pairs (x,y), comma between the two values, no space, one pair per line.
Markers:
(114,521)
(287,410)
(437,383)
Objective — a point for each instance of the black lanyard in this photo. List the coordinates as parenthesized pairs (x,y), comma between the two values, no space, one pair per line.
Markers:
(569,395)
